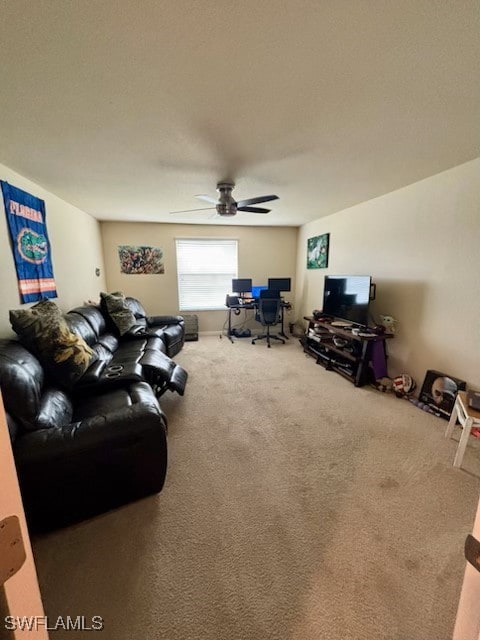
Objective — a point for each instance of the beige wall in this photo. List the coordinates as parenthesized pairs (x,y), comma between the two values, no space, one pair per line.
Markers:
(421,244)
(262,252)
(76,251)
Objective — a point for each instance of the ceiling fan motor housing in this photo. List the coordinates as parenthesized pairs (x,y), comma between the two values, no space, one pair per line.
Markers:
(226,204)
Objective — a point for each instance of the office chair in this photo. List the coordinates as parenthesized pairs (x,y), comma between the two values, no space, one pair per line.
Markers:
(269,308)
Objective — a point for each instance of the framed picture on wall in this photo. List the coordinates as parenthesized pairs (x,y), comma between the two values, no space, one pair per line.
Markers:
(317,251)
(141,260)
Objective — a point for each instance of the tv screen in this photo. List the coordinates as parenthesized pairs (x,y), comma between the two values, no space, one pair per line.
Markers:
(280,284)
(347,298)
(241,285)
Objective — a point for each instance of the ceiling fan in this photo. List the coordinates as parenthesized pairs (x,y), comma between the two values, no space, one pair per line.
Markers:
(227,206)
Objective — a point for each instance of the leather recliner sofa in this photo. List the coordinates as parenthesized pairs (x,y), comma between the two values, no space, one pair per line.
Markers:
(77,456)
(138,355)
(83,450)
(171,329)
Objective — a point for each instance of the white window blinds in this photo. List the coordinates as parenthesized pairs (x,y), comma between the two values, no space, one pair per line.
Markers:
(205,269)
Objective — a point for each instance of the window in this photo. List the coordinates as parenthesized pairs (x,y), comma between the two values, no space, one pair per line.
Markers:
(205,269)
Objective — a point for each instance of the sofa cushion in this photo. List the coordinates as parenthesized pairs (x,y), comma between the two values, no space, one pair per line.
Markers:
(109,342)
(55,409)
(43,329)
(28,404)
(115,400)
(115,305)
(138,311)
(80,326)
(93,314)
(21,380)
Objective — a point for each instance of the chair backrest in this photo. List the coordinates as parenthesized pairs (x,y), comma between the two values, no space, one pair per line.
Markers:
(269,293)
(269,310)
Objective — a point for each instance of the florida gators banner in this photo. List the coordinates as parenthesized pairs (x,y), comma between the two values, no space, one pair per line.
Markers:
(31,248)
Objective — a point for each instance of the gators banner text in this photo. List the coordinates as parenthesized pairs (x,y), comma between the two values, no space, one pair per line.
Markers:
(30,245)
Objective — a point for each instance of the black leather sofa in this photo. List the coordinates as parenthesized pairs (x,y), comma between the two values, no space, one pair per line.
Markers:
(139,355)
(85,450)
(171,329)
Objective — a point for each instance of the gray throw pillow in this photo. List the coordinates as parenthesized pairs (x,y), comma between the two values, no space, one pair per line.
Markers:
(118,311)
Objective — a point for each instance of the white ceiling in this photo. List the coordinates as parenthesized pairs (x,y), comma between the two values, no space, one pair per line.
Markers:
(129,109)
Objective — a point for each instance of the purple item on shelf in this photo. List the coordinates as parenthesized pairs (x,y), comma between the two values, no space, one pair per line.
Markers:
(379,360)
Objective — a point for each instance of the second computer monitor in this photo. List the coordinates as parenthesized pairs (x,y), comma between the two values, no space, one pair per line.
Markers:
(241,285)
(256,290)
(280,284)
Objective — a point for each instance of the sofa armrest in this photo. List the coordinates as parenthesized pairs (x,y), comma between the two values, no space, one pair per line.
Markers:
(91,435)
(73,472)
(104,377)
(137,331)
(162,320)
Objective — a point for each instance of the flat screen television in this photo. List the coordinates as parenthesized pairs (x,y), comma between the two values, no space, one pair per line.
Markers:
(347,298)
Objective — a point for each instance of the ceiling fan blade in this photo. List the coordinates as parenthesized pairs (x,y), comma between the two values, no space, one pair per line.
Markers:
(188,210)
(243,203)
(207,198)
(253,209)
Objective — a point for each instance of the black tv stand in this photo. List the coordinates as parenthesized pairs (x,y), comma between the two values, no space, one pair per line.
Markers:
(352,361)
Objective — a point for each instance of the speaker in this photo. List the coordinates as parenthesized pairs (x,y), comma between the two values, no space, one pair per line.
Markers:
(439,391)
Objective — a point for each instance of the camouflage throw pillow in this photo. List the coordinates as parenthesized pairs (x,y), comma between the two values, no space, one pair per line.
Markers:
(117,309)
(43,330)
(28,323)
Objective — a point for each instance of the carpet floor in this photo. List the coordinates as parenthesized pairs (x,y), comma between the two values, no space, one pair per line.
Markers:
(296,507)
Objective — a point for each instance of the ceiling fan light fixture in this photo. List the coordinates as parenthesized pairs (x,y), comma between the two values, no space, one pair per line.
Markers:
(226,208)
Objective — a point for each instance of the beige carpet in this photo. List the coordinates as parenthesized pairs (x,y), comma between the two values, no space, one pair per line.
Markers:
(296,507)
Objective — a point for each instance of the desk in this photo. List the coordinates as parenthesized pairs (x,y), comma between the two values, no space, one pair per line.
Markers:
(253,305)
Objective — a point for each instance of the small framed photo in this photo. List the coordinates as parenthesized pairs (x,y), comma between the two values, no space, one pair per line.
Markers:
(317,251)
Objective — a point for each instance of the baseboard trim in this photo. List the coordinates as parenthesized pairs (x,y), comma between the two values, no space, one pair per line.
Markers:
(210,333)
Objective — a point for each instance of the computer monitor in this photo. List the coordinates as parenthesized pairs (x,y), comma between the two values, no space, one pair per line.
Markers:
(241,285)
(280,284)
(256,290)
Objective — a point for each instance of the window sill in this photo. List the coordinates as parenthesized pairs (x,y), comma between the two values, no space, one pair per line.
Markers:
(203,309)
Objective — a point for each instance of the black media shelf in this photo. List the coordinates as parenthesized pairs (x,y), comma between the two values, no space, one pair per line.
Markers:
(354,365)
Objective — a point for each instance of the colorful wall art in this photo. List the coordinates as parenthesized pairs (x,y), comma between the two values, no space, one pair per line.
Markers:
(317,251)
(141,260)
